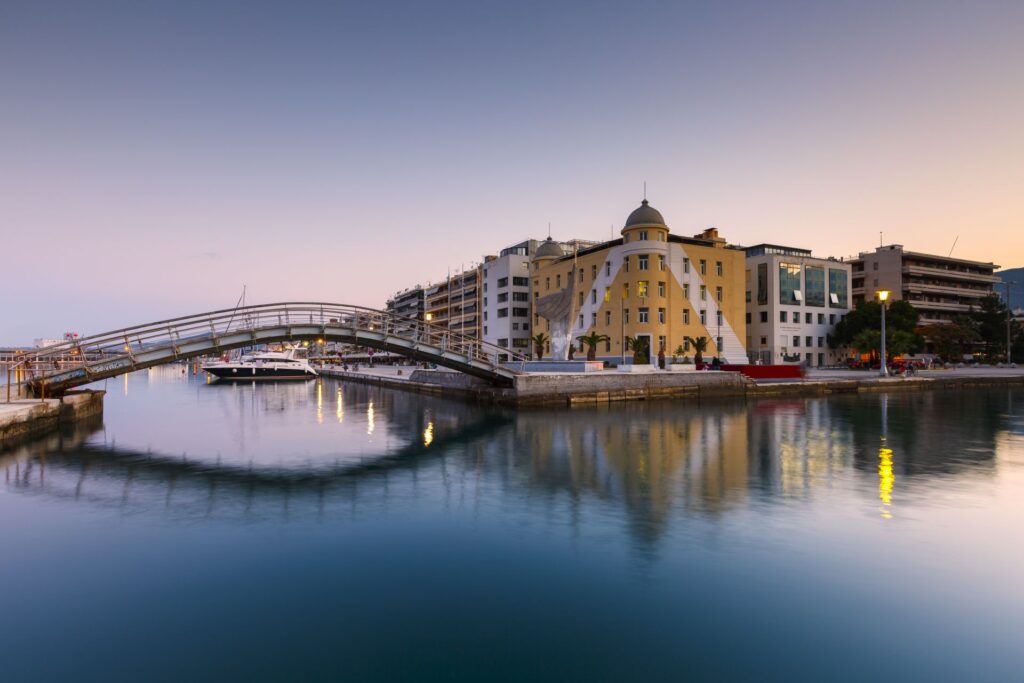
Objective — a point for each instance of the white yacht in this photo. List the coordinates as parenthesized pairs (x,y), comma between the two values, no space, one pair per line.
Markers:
(263,365)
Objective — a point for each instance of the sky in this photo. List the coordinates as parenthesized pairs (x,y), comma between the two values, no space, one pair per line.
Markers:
(156,157)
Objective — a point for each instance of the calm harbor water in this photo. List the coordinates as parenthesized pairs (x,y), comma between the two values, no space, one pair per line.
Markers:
(344,532)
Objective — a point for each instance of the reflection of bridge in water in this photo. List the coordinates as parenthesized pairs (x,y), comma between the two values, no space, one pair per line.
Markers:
(661,462)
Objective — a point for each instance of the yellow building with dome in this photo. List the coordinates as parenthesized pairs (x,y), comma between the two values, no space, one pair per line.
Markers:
(648,284)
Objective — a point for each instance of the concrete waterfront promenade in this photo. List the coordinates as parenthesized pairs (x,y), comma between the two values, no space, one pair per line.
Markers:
(29,418)
(610,385)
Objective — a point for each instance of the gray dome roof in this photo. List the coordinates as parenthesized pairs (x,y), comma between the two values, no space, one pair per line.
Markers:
(645,215)
(548,249)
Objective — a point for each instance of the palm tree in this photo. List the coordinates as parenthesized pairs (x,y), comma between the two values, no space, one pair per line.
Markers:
(700,345)
(640,347)
(592,340)
(539,340)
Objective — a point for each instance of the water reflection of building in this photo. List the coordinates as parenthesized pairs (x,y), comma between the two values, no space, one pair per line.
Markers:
(657,465)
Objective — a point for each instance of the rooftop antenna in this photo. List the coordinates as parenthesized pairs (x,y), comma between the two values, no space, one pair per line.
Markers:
(880,239)
(645,190)
(549,229)
(954,245)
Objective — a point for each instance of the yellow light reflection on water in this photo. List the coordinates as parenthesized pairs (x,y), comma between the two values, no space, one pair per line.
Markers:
(886,480)
(125,375)
(340,411)
(428,434)
(319,402)
(369,418)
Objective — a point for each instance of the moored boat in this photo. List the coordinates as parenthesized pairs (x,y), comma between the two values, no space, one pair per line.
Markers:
(265,365)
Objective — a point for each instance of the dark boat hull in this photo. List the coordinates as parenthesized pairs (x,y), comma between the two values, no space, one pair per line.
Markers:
(251,374)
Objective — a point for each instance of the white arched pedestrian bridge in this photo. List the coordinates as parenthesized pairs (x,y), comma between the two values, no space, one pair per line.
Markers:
(55,369)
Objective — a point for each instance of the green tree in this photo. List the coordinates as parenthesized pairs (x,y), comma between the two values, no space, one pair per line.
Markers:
(867,341)
(951,341)
(700,345)
(540,341)
(591,341)
(641,348)
(990,318)
(900,317)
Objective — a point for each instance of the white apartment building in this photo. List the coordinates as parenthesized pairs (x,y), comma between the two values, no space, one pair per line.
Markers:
(507,302)
(794,301)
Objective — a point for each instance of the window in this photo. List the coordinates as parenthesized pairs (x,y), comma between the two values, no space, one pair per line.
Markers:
(643,315)
(520,296)
(607,317)
(607,345)
(764,341)
(643,289)
(718,293)
(581,299)
(661,316)
(515,326)
(521,312)
(503,343)
(642,262)
(831,318)
(593,272)
(782,316)
(593,296)
(837,288)
(764,316)
(808,317)
(625,316)
(821,342)
(686,316)
(789,283)
(485,315)
(762,283)
(558,281)
(703,317)
(686,265)
(686,345)
(718,317)
(661,289)
(521,343)
(625,264)
(502,297)
(686,291)
(581,321)
(748,296)
(502,312)
(661,262)
(808,341)
(661,342)
(607,293)
(821,318)
(642,235)
(625,290)
(703,267)
(703,293)
(608,268)
(720,346)
(521,282)
(502,282)
(718,267)
(485,329)
(748,318)
(814,286)
(581,276)
(796,340)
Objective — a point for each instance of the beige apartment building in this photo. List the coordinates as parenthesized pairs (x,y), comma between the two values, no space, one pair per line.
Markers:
(939,287)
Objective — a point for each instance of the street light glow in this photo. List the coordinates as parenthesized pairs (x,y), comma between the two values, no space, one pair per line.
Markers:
(883,295)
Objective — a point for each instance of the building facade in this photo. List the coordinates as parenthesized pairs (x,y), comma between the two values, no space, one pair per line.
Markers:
(939,287)
(650,284)
(793,302)
(455,302)
(409,303)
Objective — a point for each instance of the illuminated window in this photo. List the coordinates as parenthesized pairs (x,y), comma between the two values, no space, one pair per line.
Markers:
(642,288)
(607,293)
(789,284)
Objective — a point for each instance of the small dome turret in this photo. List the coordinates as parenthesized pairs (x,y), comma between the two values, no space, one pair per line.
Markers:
(548,249)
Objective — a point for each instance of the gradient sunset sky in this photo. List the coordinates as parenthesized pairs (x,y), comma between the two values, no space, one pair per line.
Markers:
(158,156)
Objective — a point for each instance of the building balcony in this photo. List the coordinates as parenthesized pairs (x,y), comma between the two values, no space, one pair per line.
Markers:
(925,288)
(958,275)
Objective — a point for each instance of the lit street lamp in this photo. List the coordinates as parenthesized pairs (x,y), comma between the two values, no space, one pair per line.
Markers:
(883,296)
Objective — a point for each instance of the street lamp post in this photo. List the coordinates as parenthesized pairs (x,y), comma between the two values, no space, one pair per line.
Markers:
(883,296)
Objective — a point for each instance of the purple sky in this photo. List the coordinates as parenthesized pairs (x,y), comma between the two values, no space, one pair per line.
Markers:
(158,156)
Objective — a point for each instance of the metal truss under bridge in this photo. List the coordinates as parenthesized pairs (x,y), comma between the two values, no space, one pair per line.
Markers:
(49,372)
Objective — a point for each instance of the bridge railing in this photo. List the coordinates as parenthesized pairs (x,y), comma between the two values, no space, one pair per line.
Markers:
(127,342)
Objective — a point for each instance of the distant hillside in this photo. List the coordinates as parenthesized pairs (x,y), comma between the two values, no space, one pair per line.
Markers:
(1015,275)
